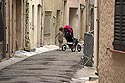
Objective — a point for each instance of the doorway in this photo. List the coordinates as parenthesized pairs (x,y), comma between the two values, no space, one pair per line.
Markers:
(73,20)
(65,13)
(32,31)
(38,25)
(18,25)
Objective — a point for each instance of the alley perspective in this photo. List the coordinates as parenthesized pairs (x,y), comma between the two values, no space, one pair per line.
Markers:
(62,41)
(48,67)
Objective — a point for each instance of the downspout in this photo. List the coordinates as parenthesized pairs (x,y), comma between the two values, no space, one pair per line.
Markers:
(86,15)
(78,19)
(8,46)
(43,16)
(95,33)
(41,36)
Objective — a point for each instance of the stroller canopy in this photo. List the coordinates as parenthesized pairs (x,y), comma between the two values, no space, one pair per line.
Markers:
(68,32)
(68,28)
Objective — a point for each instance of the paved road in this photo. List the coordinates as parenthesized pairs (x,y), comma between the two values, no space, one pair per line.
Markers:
(48,67)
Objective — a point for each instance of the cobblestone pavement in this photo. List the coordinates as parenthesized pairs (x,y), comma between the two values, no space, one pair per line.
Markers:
(48,67)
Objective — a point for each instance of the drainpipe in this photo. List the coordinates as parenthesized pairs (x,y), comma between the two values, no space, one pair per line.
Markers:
(87,15)
(78,19)
(8,46)
(95,33)
(42,22)
(43,16)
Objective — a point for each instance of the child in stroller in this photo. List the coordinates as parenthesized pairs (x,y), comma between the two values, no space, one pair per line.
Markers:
(71,41)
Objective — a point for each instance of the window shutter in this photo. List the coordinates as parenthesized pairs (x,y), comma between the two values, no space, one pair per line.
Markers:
(47,23)
(119,25)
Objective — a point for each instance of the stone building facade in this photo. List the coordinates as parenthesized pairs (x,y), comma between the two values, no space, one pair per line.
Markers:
(111,62)
(75,15)
(52,20)
(33,9)
(55,14)
(28,24)
(13,26)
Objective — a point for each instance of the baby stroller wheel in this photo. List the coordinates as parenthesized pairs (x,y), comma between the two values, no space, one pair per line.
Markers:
(73,48)
(78,48)
(64,47)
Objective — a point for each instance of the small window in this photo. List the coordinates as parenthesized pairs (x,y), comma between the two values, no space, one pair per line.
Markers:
(119,25)
(47,24)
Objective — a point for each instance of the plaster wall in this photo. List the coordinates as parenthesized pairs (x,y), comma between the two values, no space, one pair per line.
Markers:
(53,6)
(111,64)
(14,17)
(34,30)
(74,23)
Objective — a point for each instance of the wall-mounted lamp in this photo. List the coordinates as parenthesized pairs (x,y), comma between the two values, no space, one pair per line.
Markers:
(54,16)
(54,19)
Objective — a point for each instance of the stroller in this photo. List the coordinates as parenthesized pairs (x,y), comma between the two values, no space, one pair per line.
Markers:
(71,41)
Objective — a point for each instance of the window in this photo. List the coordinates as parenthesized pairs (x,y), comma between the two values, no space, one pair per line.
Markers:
(47,23)
(119,25)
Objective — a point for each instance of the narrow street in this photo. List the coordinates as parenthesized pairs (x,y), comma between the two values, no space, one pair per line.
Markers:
(48,67)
